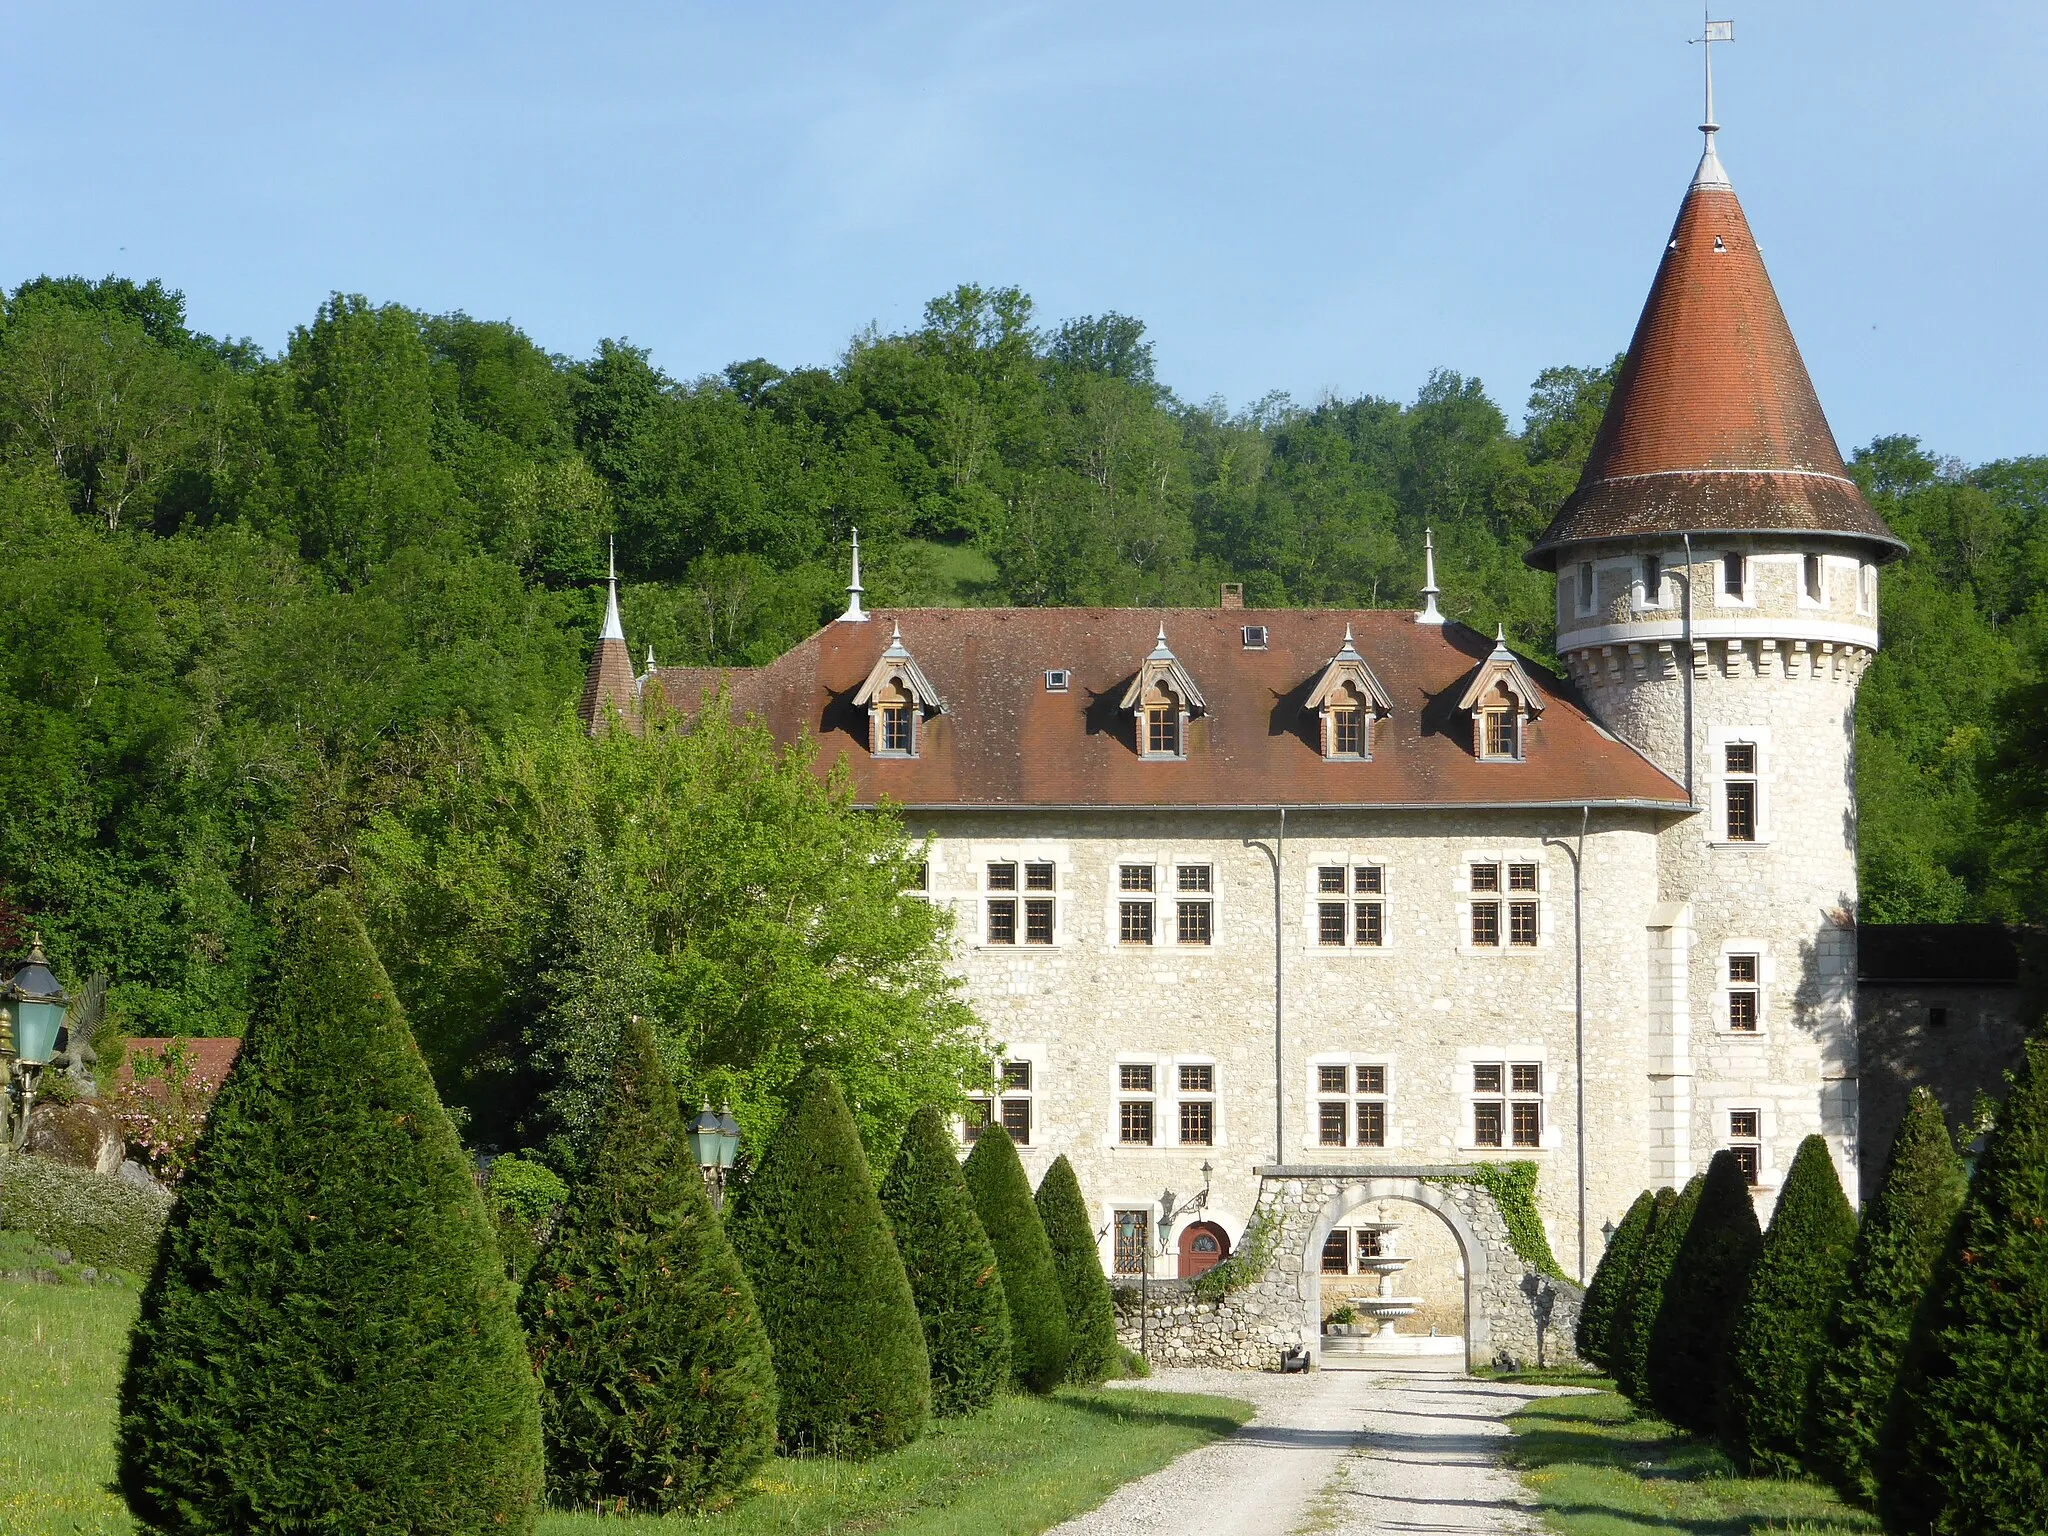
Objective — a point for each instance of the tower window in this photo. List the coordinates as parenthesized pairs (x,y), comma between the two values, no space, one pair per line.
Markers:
(1810,573)
(1732,574)
(1740,791)
(1653,581)
(1585,586)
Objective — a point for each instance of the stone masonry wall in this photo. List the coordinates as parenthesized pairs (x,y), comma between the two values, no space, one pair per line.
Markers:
(1515,1316)
(1426,1005)
(1778,671)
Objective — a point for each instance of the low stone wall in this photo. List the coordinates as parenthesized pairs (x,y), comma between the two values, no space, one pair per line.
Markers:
(1514,1317)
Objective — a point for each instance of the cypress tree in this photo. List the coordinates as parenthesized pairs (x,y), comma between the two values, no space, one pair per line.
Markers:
(1630,1354)
(1689,1341)
(1091,1316)
(1039,1341)
(327,1341)
(1780,1335)
(952,1268)
(1612,1278)
(1970,1417)
(1889,1269)
(851,1371)
(656,1384)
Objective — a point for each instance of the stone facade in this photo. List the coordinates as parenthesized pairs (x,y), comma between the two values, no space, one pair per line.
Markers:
(1773,673)
(1514,1316)
(1425,1005)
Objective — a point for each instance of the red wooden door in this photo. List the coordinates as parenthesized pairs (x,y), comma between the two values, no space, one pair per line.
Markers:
(1202,1247)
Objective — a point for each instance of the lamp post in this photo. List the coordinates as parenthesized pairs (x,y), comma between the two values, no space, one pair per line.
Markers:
(36,1004)
(715,1143)
(1132,1240)
(1607,1230)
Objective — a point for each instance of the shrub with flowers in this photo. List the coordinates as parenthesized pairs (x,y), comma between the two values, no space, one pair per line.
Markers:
(164,1108)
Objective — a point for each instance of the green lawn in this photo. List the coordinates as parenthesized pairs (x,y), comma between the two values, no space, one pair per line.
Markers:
(1600,1468)
(61,1349)
(1026,1464)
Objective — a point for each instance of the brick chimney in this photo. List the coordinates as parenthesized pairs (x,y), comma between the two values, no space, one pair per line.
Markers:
(1233,595)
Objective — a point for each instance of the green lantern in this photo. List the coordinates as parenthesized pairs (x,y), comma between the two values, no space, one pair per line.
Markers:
(36,1002)
(714,1138)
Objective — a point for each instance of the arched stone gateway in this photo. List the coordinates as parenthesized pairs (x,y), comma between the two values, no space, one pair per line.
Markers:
(1512,1312)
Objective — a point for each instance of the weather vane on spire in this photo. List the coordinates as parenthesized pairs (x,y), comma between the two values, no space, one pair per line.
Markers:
(1717,32)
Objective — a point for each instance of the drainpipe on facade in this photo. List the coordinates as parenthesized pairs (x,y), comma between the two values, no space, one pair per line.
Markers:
(1685,640)
(1277,853)
(1578,858)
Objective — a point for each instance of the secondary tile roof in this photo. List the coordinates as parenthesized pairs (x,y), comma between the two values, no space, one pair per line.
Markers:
(1005,740)
(1714,424)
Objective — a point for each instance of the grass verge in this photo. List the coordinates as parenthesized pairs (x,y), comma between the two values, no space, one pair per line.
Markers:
(1025,1464)
(61,1351)
(1598,1467)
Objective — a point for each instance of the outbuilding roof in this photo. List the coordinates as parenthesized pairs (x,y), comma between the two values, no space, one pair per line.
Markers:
(1714,425)
(1008,740)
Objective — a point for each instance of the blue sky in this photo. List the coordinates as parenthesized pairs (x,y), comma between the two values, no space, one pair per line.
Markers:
(1297,197)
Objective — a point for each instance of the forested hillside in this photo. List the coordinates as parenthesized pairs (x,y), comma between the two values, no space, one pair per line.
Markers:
(248,601)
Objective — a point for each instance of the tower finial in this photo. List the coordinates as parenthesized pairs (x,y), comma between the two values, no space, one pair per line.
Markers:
(1710,173)
(613,629)
(1429,615)
(855,614)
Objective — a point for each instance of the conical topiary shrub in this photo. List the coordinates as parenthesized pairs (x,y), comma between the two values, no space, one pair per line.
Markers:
(1038,1312)
(1612,1278)
(851,1373)
(1630,1353)
(952,1268)
(1970,1417)
(1689,1343)
(1889,1268)
(327,1342)
(656,1389)
(1093,1352)
(1780,1334)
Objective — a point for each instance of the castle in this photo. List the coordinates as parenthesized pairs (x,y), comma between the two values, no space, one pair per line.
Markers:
(1317,891)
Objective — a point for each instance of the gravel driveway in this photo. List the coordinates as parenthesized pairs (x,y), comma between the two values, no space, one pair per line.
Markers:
(1338,1453)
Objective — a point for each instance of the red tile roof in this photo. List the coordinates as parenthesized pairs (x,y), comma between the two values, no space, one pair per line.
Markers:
(1005,741)
(1714,425)
(608,686)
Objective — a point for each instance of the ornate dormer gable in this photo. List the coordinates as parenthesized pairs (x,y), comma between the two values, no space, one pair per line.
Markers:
(1347,698)
(1501,700)
(1162,698)
(897,696)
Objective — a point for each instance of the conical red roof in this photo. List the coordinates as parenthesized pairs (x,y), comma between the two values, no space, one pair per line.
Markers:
(1714,425)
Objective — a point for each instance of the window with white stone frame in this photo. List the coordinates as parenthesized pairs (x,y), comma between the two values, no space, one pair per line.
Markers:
(1020,902)
(1586,586)
(1351,1102)
(1194,904)
(1738,765)
(1505,1104)
(1136,907)
(1505,909)
(1195,1107)
(1137,1103)
(1745,975)
(1010,1106)
(1745,1140)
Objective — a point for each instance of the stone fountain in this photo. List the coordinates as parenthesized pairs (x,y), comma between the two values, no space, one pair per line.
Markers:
(1386,1308)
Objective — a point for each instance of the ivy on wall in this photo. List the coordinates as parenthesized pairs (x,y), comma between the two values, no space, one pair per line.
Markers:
(1513,1187)
(1248,1262)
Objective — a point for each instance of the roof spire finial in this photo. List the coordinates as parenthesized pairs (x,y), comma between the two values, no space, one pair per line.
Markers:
(855,614)
(1710,173)
(1429,615)
(613,629)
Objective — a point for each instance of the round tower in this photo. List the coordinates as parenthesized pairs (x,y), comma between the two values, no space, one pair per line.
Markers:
(1716,607)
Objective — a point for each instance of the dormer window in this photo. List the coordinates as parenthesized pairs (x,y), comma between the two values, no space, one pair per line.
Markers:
(1500,733)
(1502,701)
(1162,727)
(1255,637)
(897,696)
(1162,697)
(894,720)
(1346,699)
